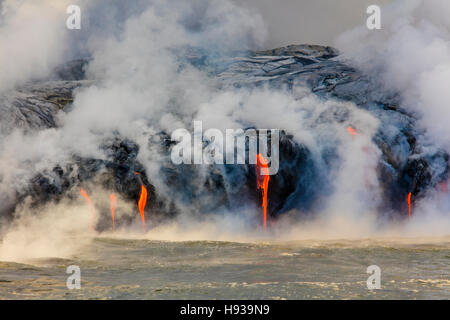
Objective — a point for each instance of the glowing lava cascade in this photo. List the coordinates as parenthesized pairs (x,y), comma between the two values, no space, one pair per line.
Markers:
(113,202)
(91,207)
(262,181)
(142,201)
(409,204)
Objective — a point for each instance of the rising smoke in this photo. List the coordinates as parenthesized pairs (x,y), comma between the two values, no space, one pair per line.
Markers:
(411,56)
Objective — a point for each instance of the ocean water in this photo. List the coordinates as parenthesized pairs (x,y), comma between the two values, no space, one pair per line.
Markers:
(115,268)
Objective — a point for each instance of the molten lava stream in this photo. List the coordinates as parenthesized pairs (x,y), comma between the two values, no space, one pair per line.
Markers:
(141,205)
(409,204)
(91,208)
(113,204)
(262,181)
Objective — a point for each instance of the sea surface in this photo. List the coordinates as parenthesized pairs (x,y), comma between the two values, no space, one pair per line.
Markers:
(114,268)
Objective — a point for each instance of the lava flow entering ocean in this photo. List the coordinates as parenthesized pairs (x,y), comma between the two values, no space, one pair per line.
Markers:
(262,181)
(113,205)
(91,208)
(141,205)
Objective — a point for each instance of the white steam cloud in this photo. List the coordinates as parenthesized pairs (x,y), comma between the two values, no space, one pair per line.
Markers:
(411,56)
(412,52)
(30,41)
(142,89)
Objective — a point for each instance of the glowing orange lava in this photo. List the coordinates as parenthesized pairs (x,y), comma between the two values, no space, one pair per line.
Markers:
(91,208)
(141,204)
(352,131)
(262,181)
(113,203)
(409,203)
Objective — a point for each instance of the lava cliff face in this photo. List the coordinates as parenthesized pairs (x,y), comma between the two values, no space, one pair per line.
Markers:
(405,165)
